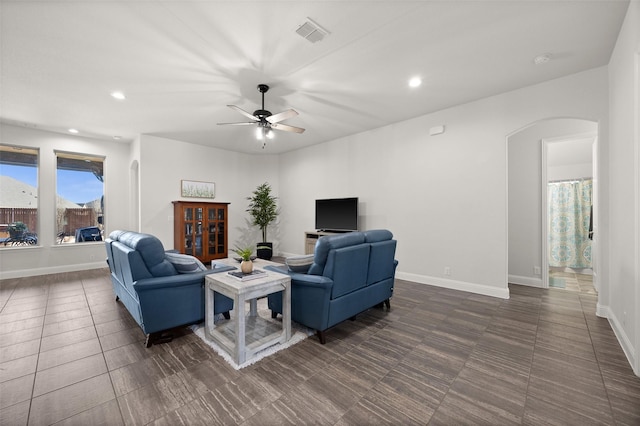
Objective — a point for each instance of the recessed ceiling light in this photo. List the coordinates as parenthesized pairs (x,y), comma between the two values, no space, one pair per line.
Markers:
(74,131)
(415,82)
(118,95)
(542,59)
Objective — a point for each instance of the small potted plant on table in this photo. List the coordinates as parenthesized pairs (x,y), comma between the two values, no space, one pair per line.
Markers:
(246,266)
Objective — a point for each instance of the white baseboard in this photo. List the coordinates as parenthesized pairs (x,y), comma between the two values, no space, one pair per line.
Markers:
(502,293)
(602,311)
(528,281)
(32,272)
(618,330)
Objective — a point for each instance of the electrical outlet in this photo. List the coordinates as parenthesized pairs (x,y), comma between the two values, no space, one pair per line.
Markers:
(92,257)
(447,271)
(624,318)
(536,270)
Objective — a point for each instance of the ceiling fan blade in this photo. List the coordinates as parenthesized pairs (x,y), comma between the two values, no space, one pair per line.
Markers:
(287,128)
(243,123)
(281,116)
(243,112)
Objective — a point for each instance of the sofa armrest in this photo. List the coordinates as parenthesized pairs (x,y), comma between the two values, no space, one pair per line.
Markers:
(177,280)
(312,281)
(317,281)
(155,283)
(282,269)
(310,298)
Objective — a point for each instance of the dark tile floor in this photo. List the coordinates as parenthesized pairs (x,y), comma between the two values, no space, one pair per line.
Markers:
(71,355)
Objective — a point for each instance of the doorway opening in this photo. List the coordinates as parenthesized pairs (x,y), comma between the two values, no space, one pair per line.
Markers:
(567,197)
(527,198)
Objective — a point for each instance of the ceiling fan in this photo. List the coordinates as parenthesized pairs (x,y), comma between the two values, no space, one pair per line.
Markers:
(266,121)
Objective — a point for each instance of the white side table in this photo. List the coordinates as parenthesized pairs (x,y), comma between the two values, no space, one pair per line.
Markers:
(243,336)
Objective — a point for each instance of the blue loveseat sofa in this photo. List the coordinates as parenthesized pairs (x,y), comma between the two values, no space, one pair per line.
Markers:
(160,289)
(349,274)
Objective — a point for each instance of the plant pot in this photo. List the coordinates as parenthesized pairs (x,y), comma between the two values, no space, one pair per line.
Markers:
(265,251)
(246,266)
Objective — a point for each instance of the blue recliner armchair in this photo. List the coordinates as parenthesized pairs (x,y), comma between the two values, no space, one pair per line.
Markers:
(161,289)
(350,273)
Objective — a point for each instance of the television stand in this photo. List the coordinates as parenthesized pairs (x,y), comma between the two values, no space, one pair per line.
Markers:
(310,239)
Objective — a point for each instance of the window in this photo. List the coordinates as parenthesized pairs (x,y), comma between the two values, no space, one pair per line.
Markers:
(18,196)
(80,198)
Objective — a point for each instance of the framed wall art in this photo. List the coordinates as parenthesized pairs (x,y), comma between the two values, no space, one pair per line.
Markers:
(197,189)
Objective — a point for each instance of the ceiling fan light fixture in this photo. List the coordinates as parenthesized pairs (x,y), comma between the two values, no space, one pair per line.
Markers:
(265,121)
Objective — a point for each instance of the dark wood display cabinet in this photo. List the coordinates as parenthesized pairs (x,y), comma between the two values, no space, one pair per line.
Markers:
(200,229)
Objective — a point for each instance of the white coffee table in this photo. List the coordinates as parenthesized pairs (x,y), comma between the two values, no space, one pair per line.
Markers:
(244,335)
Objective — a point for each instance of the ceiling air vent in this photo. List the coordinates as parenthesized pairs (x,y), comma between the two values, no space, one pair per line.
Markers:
(312,31)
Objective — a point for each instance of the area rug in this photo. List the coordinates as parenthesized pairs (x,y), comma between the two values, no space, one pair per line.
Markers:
(556,282)
(298,334)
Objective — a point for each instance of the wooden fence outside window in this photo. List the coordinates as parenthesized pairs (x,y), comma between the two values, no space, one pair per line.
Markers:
(68,220)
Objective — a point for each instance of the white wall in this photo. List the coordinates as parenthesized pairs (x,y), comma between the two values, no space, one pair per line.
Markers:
(236,175)
(570,158)
(443,197)
(573,171)
(623,293)
(525,202)
(49,257)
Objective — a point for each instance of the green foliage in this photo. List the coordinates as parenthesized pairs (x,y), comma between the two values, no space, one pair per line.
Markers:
(263,208)
(17,228)
(244,253)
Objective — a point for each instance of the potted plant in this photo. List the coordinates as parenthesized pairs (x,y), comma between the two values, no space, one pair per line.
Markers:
(263,210)
(17,229)
(246,266)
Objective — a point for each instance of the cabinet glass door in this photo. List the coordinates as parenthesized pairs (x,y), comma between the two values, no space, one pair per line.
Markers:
(188,231)
(213,237)
(215,222)
(198,231)
(221,248)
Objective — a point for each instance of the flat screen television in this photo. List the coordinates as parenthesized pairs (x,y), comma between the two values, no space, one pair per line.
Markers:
(337,214)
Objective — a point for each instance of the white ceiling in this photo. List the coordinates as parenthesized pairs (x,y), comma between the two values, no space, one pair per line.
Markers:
(181,62)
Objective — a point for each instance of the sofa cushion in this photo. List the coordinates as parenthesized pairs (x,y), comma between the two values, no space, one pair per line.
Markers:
(332,242)
(381,261)
(377,235)
(184,263)
(347,267)
(299,264)
(150,249)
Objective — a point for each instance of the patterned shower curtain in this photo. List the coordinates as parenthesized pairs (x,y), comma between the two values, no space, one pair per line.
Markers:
(569,214)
